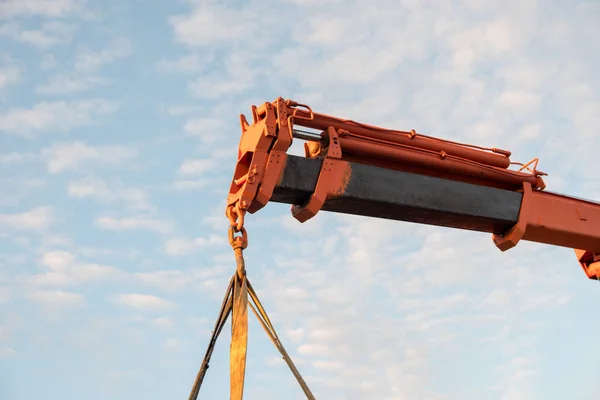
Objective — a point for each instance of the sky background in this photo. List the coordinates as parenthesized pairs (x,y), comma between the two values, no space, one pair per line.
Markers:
(119,122)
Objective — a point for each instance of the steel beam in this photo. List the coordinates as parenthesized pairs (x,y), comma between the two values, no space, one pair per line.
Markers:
(401,196)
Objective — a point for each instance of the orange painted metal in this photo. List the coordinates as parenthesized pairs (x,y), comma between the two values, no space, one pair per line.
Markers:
(558,220)
(590,262)
(263,150)
(332,179)
(491,156)
(413,152)
(544,217)
(261,156)
(431,163)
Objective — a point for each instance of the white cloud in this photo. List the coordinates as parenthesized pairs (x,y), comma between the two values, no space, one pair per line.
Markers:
(175,345)
(313,3)
(61,85)
(79,156)
(18,191)
(38,218)
(178,280)
(57,299)
(48,8)
(133,223)
(497,298)
(393,300)
(5,296)
(181,246)
(196,167)
(237,76)
(48,62)
(58,260)
(7,352)
(61,116)
(89,188)
(163,322)
(62,268)
(90,61)
(520,101)
(15,158)
(182,109)
(183,185)
(209,24)
(141,301)
(381,281)
(166,280)
(50,34)
(56,240)
(108,192)
(186,63)
(209,129)
(9,75)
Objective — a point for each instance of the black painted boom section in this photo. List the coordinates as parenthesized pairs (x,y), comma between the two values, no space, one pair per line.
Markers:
(382,193)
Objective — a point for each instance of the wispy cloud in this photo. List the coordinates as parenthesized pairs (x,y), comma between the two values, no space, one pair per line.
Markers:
(191,184)
(57,299)
(48,62)
(190,63)
(112,192)
(48,35)
(175,345)
(90,61)
(141,301)
(208,129)
(163,322)
(195,174)
(61,116)
(36,219)
(9,75)
(47,8)
(5,296)
(391,299)
(191,280)
(62,268)
(209,24)
(237,76)
(16,158)
(77,155)
(182,109)
(7,352)
(133,223)
(62,85)
(181,246)
(196,167)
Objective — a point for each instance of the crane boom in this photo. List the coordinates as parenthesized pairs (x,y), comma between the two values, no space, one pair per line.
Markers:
(354,168)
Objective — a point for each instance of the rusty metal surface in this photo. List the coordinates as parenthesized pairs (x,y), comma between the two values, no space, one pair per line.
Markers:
(383,193)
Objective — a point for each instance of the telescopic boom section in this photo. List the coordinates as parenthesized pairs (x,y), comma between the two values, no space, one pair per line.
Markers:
(361,169)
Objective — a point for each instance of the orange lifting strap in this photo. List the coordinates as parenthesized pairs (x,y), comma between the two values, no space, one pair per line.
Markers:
(236,303)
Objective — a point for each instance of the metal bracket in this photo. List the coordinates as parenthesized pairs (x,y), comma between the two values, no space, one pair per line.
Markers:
(261,156)
(512,237)
(590,262)
(326,184)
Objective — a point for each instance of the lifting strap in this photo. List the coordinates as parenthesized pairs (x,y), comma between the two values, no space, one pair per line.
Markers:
(236,302)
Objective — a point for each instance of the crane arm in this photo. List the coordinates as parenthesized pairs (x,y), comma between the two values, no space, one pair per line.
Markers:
(359,169)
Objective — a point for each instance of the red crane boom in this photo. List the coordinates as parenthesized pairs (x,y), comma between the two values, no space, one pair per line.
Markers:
(342,144)
(354,168)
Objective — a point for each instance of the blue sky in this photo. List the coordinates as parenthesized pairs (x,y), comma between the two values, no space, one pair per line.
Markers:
(119,123)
